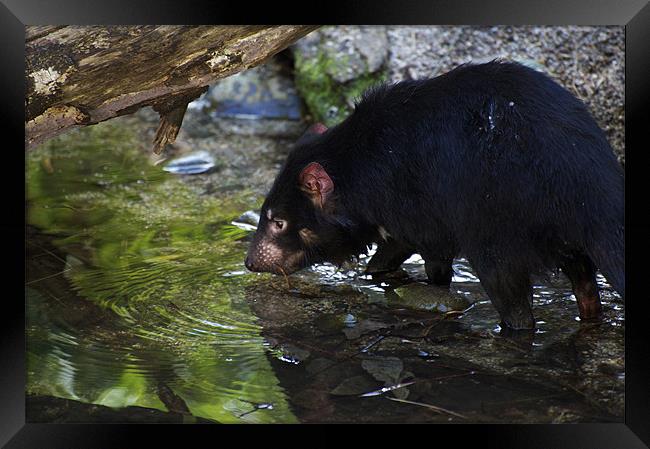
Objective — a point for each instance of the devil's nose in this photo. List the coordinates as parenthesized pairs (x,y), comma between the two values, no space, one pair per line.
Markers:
(248,263)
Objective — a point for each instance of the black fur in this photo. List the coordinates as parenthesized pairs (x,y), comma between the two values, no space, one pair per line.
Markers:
(495,162)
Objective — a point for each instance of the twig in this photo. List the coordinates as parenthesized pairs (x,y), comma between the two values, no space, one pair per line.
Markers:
(286,277)
(47,277)
(451,376)
(429,406)
(46,250)
(555,395)
(350,357)
(386,389)
(372,343)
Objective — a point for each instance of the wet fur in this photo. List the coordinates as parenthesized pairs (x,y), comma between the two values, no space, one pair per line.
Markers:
(495,162)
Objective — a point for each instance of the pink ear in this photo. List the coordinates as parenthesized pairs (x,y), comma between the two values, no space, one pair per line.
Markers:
(315,180)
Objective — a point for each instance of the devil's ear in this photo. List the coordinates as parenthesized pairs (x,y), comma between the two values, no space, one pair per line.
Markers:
(313,131)
(315,181)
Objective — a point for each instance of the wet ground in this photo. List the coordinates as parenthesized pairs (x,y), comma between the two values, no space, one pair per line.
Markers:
(139,307)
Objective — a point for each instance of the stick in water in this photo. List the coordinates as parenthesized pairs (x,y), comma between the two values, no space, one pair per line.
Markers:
(286,278)
(429,406)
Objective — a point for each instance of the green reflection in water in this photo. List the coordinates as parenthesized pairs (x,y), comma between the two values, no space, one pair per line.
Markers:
(165,268)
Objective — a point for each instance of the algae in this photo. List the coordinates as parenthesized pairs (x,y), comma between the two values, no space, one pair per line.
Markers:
(329,101)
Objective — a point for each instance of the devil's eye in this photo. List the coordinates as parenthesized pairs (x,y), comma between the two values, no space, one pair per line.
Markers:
(279,224)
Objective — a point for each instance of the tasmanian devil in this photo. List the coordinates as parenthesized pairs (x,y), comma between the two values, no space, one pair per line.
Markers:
(495,162)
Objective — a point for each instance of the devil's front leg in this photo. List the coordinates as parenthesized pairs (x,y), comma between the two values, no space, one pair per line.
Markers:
(438,258)
(439,269)
(389,256)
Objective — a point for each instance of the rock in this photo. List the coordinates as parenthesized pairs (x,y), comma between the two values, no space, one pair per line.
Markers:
(351,51)
(358,50)
(385,369)
(293,354)
(250,218)
(273,128)
(335,65)
(319,365)
(263,92)
(363,327)
(191,164)
(259,101)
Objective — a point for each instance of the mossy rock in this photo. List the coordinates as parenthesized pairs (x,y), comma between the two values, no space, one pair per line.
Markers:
(331,78)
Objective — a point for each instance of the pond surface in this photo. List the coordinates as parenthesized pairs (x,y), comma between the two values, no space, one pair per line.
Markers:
(139,308)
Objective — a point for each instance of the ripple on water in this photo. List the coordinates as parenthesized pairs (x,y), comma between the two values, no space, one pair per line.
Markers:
(153,294)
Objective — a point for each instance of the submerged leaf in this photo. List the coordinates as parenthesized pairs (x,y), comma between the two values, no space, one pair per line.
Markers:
(353,386)
(428,297)
(385,369)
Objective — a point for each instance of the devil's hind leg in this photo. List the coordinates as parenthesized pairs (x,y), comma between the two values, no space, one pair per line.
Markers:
(509,289)
(581,271)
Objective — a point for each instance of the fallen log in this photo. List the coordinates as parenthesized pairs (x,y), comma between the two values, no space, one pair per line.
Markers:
(82,75)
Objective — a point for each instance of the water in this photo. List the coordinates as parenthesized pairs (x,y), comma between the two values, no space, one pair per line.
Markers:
(140,296)
(138,301)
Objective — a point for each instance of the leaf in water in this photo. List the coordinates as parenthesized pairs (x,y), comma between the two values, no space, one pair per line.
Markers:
(353,386)
(401,393)
(406,378)
(385,369)
(421,296)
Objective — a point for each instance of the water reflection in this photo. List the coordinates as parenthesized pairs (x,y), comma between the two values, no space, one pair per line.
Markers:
(155,261)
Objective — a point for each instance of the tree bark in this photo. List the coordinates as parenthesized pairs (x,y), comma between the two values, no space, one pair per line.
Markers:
(81,75)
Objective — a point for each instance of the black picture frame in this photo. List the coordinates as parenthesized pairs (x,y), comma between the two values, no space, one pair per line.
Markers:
(633,14)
